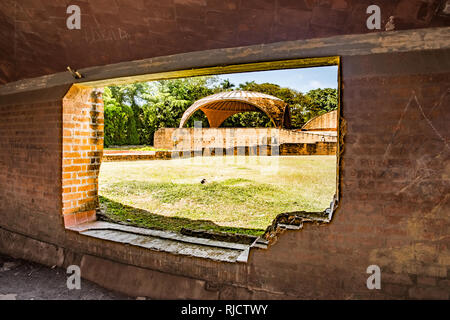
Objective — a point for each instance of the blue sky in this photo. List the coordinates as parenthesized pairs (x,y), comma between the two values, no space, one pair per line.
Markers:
(303,79)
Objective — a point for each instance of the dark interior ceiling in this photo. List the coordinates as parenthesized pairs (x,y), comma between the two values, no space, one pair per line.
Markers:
(35,41)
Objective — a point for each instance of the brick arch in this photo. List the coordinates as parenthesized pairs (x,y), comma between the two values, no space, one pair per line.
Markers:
(219,107)
(326,121)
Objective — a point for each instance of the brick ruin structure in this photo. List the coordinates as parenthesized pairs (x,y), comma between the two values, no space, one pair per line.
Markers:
(195,138)
(325,122)
(393,208)
(220,106)
(321,138)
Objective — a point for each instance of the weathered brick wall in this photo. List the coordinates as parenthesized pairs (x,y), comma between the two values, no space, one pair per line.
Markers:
(191,138)
(83,123)
(394,200)
(155,28)
(30,162)
(394,209)
(304,149)
(324,122)
(285,149)
(395,186)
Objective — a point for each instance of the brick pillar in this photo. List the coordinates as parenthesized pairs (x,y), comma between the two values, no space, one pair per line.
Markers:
(83,124)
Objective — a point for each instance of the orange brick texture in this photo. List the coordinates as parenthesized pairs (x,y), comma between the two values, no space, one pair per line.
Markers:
(83,124)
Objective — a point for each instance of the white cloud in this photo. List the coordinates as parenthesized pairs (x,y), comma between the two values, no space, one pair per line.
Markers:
(312,84)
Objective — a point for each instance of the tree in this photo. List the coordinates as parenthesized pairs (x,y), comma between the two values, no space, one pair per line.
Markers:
(170,99)
(135,111)
(296,100)
(120,121)
(225,85)
(322,101)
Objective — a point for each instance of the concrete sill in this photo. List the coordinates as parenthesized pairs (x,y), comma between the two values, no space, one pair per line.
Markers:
(166,241)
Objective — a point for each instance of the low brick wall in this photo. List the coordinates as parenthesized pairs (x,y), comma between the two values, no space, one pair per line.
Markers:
(318,148)
(136,155)
(193,138)
(285,149)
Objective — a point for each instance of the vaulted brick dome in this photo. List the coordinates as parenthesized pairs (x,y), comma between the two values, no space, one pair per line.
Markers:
(218,107)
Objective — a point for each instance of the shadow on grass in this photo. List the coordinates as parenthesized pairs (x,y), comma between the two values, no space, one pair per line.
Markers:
(117,212)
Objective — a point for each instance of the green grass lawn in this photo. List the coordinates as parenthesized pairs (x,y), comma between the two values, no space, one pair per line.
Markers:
(241,194)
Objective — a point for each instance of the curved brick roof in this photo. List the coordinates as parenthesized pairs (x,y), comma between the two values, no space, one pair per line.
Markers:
(324,122)
(220,106)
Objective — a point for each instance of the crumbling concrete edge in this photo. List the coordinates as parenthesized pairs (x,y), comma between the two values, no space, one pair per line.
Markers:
(117,276)
(293,221)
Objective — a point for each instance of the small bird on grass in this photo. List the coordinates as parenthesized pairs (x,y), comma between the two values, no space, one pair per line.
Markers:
(203,181)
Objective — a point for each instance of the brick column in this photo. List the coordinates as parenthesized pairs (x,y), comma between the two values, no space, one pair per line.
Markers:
(83,124)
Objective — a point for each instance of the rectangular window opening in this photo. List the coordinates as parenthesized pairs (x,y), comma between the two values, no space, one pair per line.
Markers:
(209,161)
(221,154)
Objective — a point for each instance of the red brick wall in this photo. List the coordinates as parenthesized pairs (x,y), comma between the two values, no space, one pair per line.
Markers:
(82,153)
(394,200)
(393,204)
(30,162)
(131,29)
(394,209)
(304,149)
(191,138)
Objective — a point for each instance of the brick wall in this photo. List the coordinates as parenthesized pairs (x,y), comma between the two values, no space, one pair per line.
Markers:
(395,179)
(393,203)
(394,199)
(82,153)
(304,149)
(154,28)
(324,122)
(30,162)
(190,138)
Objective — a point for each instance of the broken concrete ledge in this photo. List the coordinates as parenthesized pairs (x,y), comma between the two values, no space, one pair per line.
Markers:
(290,221)
(220,236)
(127,278)
(166,241)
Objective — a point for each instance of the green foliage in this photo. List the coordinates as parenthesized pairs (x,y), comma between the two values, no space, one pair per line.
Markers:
(170,100)
(321,101)
(120,122)
(135,111)
(248,120)
(302,106)
(296,100)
